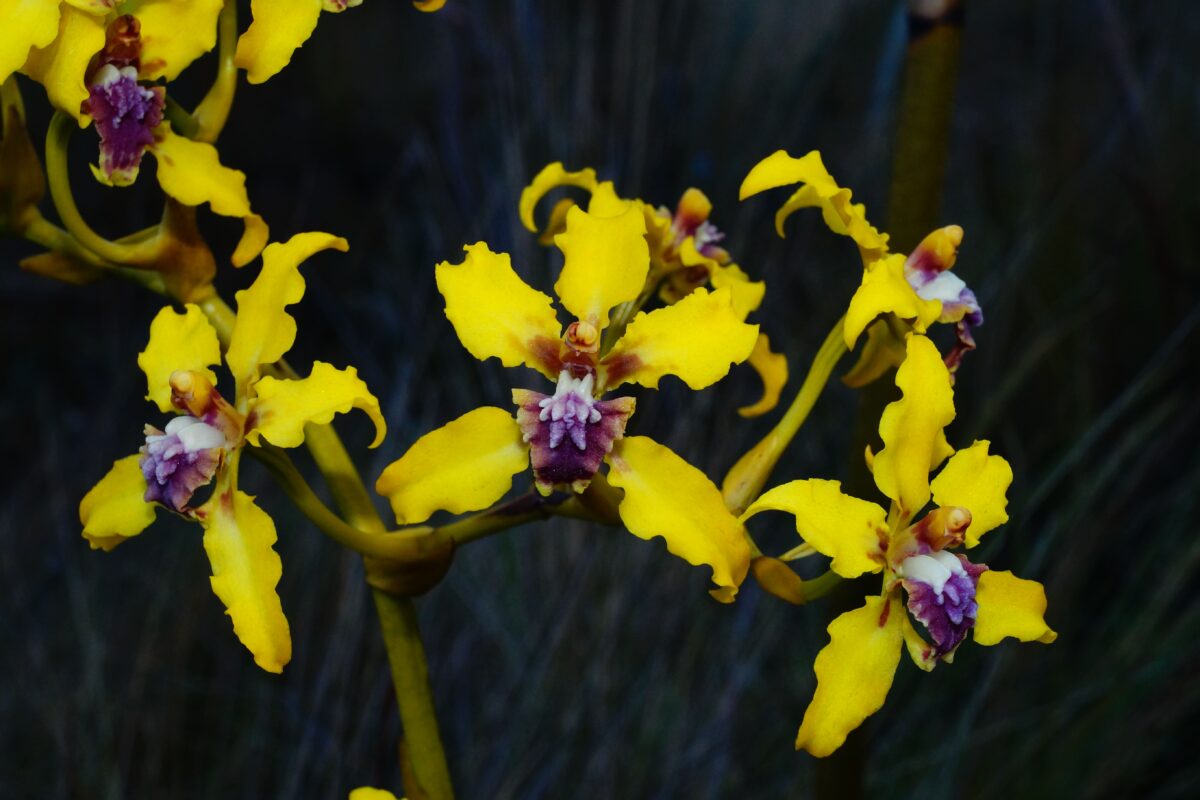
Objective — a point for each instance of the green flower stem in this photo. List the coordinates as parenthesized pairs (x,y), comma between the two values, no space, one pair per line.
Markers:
(746,479)
(213,111)
(182,122)
(45,233)
(57,138)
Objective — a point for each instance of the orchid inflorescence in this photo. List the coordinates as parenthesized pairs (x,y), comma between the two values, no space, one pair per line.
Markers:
(650,292)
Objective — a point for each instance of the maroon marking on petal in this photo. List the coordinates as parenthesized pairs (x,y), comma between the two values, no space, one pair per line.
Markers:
(546,354)
(618,367)
(122,43)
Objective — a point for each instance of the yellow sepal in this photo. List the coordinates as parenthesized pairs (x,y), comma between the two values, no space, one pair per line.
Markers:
(115,509)
(882,351)
(465,465)
(1010,606)
(239,539)
(496,314)
(174,33)
(912,427)
(369,792)
(883,289)
(278,29)
(854,673)
(747,294)
(978,482)
(263,330)
(61,66)
(772,369)
(178,342)
(668,497)
(192,173)
(551,177)
(848,530)
(606,262)
(284,407)
(28,24)
(428,6)
(697,339)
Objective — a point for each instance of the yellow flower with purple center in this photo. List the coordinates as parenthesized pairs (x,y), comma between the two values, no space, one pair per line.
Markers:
(203,443)
(470,463)
(685,255)
(281,27)
(944,591)
(915,290)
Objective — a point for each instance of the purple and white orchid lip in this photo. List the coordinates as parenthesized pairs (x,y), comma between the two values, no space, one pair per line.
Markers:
(126,114)
(570,432)
(941,594)
(179,460)
(927,271)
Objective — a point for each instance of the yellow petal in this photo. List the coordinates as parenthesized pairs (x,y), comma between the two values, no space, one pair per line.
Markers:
(884,289)
(263,330)
(606,262)
(747,294)
(463,466)
(429,6)
(61,65)
(1010,606)
(115,509)
(697,339)
(911,427)
(819,190)
(278,29)
(854,673)
(606,202)
(883,350)
(496,314)
(178,341)
(923,654)
(668,497)
(551,177)
(191,172)
(254,239)
(27,24)
(284,407)
(174,33)
(772,368)
(368,792)
(239,538)
(846,529)
(977,482)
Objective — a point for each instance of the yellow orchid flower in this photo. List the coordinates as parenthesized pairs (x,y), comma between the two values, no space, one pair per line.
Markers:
(281,27)
(371,793)
(203,443)
(685,254)
(469,463)
(949,595)
(919,289)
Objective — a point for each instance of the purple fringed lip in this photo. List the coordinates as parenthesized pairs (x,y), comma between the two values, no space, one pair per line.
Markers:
(569,433)
(126,114)
(941,595)
(179,460)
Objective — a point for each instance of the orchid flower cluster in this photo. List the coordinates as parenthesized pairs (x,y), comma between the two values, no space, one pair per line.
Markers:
(645,292)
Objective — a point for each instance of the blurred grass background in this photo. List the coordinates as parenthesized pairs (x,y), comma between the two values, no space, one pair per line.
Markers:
(574,661)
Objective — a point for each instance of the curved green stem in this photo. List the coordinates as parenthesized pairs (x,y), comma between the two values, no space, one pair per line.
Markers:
(48,235)
(746,479)
(57,138)
(213,111)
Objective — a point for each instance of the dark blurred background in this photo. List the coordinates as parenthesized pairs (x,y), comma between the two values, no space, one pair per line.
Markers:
(576,661)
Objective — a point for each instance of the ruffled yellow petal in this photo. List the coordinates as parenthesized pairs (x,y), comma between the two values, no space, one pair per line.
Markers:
(557,222)
(772,369)
(605,202)
(61,66)
(747,294)
(26,24)
(1010,606)
(254,239)
(820,190)
(668,497)
(977,482)
(174,33)
(368,792)
(192,173)
(178,342)
(551,177)
(848,530)
(854,673)
(278,29)
(606,262)
(239,538)
(883,350)
(263,330)
(885,289)
(115,509)
(496,314)
(284,407)
(697,339)
(911,427)
(463,466)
